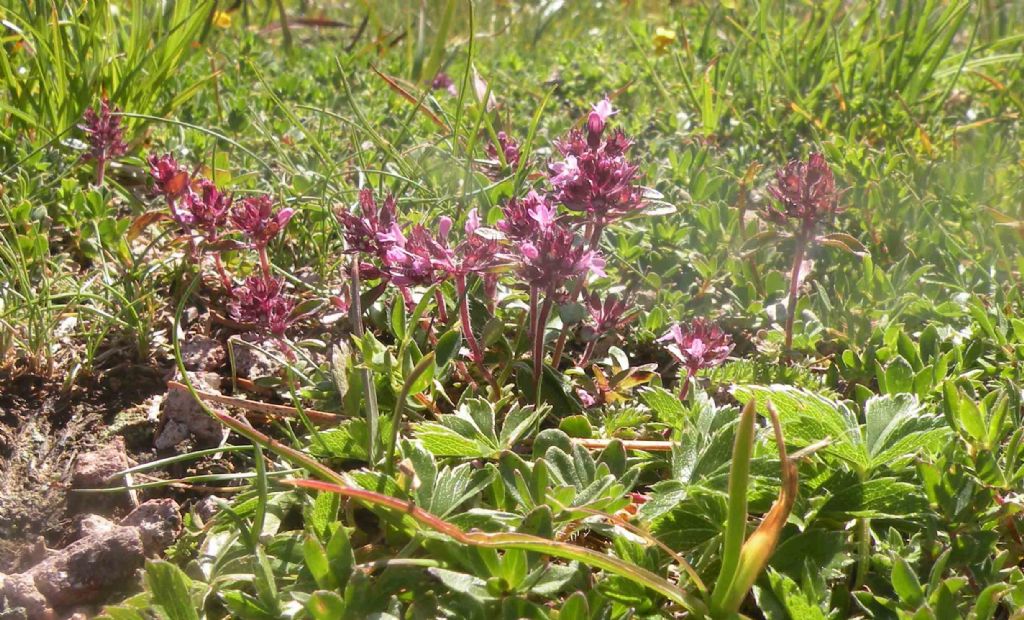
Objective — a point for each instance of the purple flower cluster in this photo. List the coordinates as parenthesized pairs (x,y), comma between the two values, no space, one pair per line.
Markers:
(508,147)
(260,300)
(595,178)
(103,131)
(698,346)
(205,214)
(254,216)
(554,256)
(806,191)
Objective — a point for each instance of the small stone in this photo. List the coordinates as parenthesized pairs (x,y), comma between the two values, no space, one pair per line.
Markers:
(208,507)
(20,592)
(249,358)
(159,523)
(201,353)
(89,525)
(87,570)
(97,469)
(182,416)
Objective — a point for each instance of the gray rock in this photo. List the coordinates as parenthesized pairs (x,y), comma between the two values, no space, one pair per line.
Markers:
(97,469)
(182,417)
(88,569)
(201,353)
(158,521)
(251,362)
(94,524)
(21,593)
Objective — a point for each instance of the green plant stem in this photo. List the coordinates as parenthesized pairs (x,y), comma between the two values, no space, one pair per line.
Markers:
(538,347)
(863,552)
(369,390)
(396,418)
(794,285)
(736,519)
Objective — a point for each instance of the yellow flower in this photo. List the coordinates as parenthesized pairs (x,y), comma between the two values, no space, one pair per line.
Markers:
(222,19)
(663,37)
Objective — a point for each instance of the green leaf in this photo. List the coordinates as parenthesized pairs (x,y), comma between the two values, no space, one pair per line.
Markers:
(879,497)
(170,590)
(905,583)
(325,605)
(447,348)
(575,608)
(808,418)
(577,426)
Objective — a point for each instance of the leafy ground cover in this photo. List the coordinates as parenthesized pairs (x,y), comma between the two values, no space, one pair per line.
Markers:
(539,310)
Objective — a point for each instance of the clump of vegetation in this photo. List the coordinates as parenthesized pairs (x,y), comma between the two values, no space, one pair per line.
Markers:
(552,330)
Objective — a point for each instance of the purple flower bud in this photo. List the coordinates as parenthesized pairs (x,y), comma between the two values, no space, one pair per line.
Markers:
(472,221)
(442,81)
(509,150)
(596,121)
(610,315)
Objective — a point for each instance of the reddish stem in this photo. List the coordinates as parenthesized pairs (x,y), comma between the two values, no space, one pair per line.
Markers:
(467,327)
(595,240)
(685,389)
(538,343)
(224,279)
(101,170)
(794,285)
(264,261)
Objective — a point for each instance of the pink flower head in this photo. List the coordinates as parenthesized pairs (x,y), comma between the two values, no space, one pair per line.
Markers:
(254,216)
(412,260)
(698,345)
(806,191)
(371,231)
(595,178)
(524,218)
(509,149)
(555,256)
(608,316)
(599,114)
(204,208)
(170,178)
(260,300)
(103,131)
(442,81)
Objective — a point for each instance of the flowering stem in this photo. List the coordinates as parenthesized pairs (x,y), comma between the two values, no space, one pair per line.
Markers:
(794,285)
(595,240)
(101,170)
(538,345)
(224,279)
(369,389)
(265,262)
(685,388)
(533,311)
(467,333)
(587,352)
(442,311)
